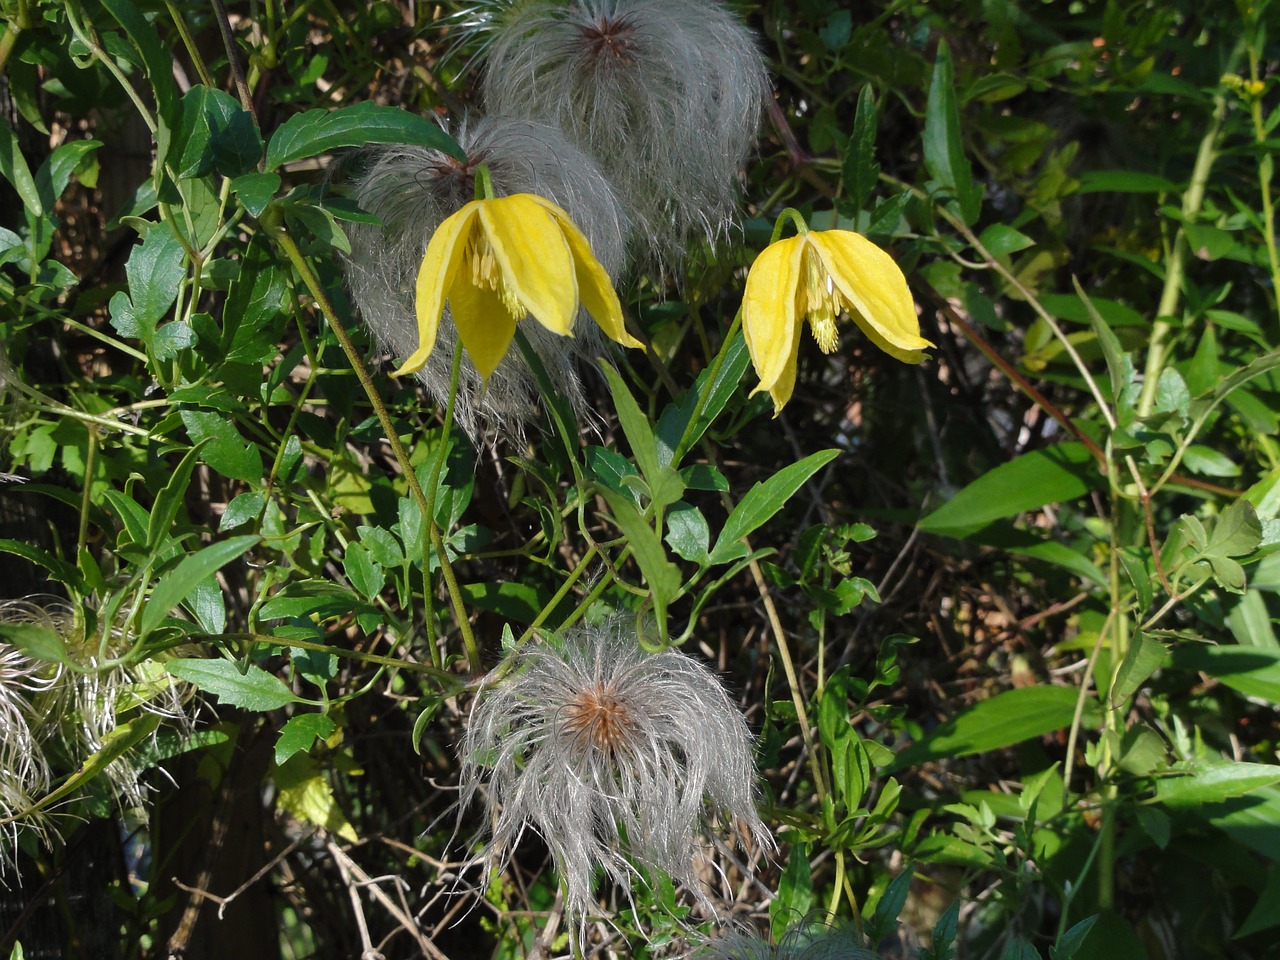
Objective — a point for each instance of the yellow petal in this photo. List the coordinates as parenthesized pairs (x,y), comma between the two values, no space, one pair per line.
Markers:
(786,383)
(439,266)
(530,250)
(874,288)
(484,324)
(594,286)
(769,319)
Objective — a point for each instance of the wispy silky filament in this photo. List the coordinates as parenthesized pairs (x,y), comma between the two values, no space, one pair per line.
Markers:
(614,755)
(667,95)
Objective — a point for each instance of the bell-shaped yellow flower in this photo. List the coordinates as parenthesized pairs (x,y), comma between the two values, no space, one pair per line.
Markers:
(814,276)
(499,260)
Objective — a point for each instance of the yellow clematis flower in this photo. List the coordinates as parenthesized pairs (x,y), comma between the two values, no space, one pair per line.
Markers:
(814,276)
(499,260)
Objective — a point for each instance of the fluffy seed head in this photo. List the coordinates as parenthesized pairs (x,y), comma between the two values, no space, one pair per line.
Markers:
(667,95)
(614,755)
(52,718)
(412,190)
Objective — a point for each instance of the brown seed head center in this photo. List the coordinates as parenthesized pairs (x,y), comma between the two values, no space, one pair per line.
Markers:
(609,38)
(600,718)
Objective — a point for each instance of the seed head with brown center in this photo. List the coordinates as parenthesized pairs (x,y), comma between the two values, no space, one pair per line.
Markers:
(615,756)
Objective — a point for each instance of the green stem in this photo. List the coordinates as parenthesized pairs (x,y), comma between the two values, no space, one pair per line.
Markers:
(1192,201)
(1266,167)
(312,283)
(205,76)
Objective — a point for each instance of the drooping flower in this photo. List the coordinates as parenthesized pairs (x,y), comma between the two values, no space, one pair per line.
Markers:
(412,190)
(815,276)
(497,261)
(614,755)
(667,95)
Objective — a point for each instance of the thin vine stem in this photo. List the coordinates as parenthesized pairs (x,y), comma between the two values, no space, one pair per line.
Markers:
(312,283)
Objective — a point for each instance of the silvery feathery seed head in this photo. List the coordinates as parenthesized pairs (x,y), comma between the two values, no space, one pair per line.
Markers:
(55,718)
(667,95)
(412,190)
(613,755)
(804,941)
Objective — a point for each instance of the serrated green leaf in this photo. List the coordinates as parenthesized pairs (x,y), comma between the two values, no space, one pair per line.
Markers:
(300,732)
(255,689)
(1144,656)
(62,571)
(1211,783)
(256,190)
(943,147)
(861,172)
(226,451)
(174,587)
(35,640)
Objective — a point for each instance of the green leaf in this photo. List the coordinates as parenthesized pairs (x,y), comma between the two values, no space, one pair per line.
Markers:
(366,576)
(1252,671)
(315,132)
(611,469)
(688,534)
(156,268)
(634,424)
(243,508)
(943,148)
(35,640)
(255,689)
(1007,718)
(861,172)
(169,500)
(255,190)
(889,907)
(1210,783)
(1144,656)
(300,732)
(944,934)
(1019,949)
(155,58)
(175,586)
(659,572)
(1266,912)
(795,892)
(302,598)
(1112,352)
(673,423)
(226,450)
(1002,240)
(1237,532)
(14,168)
(62,571)
(1053,475)
(762,501)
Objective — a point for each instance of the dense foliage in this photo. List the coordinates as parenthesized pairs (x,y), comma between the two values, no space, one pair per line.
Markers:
(1000,624)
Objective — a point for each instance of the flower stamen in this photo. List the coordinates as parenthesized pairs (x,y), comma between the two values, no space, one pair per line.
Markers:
(822,305)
